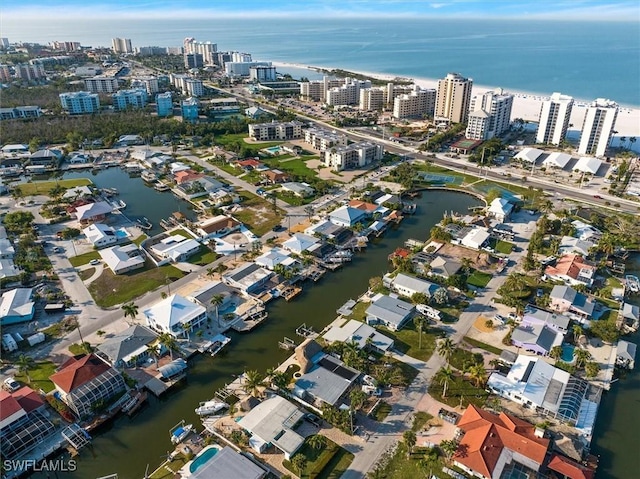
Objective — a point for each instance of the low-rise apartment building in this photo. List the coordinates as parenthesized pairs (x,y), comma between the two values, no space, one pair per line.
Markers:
(353,156)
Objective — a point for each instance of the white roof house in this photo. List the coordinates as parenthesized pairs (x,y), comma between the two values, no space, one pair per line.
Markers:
(300,242)
(585,231)
(346,216)
(176,248)
(16,306)
(174,315)
(100,235)
(93,210)
(476,238)
(299,189)
(272,422)
(530,155)
(500,209)
(588,164)
(122,259)
(247,277)
(8,268)
(77,192)
(569,244)
(361,333)
(409,285)
(15,148)
(557,160)
(274,257)
(7,251)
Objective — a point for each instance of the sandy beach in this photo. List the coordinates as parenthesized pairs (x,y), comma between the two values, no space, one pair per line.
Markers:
(525,105)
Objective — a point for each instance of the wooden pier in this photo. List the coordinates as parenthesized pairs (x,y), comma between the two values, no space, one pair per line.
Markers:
(247,324)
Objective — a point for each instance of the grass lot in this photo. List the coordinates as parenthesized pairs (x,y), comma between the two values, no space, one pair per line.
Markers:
(110,289)
(43,187)
(83,258)
(460,390)
(257,214)
(293,199)
(481,345)
(231,138)
(330,461)
(504,247)
(462,358)
(182,232)
(479,279)
(381,411)
(167,470)
(77,349)
(419,464)
(85,274)
(140,239)
(39,376)
(358,311)
(203,257)
(407,341)
(419,420)
(232,170)
(297,167)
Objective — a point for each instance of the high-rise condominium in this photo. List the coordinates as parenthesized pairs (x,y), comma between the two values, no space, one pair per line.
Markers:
(598,127)
(453,98)
(554,119)
(121,45)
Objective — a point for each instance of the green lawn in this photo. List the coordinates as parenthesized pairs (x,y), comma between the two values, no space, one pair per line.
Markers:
(43,187)
(138,241)
(293,199)
(481,345)
(381,411)
(83,258)
(329,461)
(232,170)
(39,376)
(462,358)
(407,341)
(420,418)
(504,247)
(182,232)
(110,289)
(358,311)
(203,257)
(85,274)
(231,138)
(479,279)
(459,391)
(418,464)
(299,168)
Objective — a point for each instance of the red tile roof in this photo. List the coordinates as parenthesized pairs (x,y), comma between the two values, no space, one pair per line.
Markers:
(363,205)
(8,405)
(78,371)
(486,435)
(186,175)
(570,468)
(28,398)
(568,265)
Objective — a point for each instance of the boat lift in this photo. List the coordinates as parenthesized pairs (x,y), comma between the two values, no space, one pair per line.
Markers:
(287,344)
(76,436)
(306,331)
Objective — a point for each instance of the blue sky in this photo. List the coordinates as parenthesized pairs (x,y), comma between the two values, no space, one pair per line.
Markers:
(624,10)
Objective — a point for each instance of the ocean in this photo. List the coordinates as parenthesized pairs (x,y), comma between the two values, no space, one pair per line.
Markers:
(586,60)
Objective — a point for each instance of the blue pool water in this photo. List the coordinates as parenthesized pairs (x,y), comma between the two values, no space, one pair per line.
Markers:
(202,458)
(121,234)
(567,353)
(227,310)
(273,149)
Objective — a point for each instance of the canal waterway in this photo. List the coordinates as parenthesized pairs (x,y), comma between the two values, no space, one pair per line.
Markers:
(127,445)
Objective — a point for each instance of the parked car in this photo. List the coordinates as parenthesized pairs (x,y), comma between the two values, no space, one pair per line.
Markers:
(11,385)
(94,262)
(500,318)
(313,419)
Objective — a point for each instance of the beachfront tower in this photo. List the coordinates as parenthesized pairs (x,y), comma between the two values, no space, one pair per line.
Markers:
(598,127)
(554,119)
(453,98)
(489,115)
(121,45)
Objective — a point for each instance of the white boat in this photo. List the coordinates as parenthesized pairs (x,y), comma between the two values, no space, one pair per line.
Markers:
(161,187)
(180,433)
(633,283)
(208,408)
(149,176)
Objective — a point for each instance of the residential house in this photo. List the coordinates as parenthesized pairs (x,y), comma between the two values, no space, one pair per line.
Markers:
(256,113)
(300,242)
(176,316)
(84,382)
(176,248)
(123,259)
(24,422)
(369,208)
(250,164)
(573,270)
(200,187)
(326,382)
(8,269)
(445,267)
(217,226)
(274,257)
(500,209)
(226,463)
(275,176)
(476,238)
(204,295)
(365,336)
(78,192)
(631,314)
(536,338)
(17,306)
(571,245)
(566,299)
(93,212)
(46,158)
(390,312)
(407,285)
(303,190)
(273,422)
(536,384)
(128,348)
(100,235)
(7,251)
(586,232)
(565,468)
(329,230)
(186,176)
(534,315)
(626,354)
(493,444)
(248,277)
(346,216)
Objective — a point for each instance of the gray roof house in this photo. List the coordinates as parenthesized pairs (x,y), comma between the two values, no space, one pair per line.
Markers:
(326,382)
(229,463)
(128,348)
(361,333)
(444,267)
(390,312)
(272,422)
(536,338)
(631,314)
(559,322)
(247,277)
(566,299)
(346,216)
(626,354)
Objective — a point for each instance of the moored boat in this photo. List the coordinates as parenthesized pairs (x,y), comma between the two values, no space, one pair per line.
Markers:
(209,408)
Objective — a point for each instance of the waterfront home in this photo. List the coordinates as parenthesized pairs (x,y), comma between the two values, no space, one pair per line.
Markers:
(185,176)
(7,251)
(444,267)
(217,226)
(492,445)
(128,348)
(368,208)
(346,216)
(631,314)
(123,259)
(100,235)
(17,306)
(571,245)
(224,463)
(626,354)
(204,295)
(248,277)
(8,269)
(274,257)
(45,157)
(85,381)
(327,229)
(175,248)
(500,209)
(573,270)
(536,384)
(199,187)
(566,299)
(390,312)
(303,190)
(536,338)
(360,333)
(24,422)
(533,315)
(476,238)
(328,381)
(300,242)
(273,422)
(407,286)
(566,468)
(176,166)
(585,231)
(78,192)
(176,316)
(275,176)
(93,212)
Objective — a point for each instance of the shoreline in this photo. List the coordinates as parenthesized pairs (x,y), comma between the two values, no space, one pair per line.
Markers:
(526,105)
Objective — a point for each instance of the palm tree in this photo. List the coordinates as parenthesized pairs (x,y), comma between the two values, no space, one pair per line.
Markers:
(419,322)
(477,373)
(163,295)
(409,438)
(444,377)
(556,353)
(186,327)
(466,265)
(577,332)
(299,463)
(358,398)
(169,342)
(25,363)
(56,192)
(253,381)
(153,350)
(449,447)
(445,348)
(317,441)
(130,310)
(581,356)
(632,140)
(216,301)
(280,381)
(211,272)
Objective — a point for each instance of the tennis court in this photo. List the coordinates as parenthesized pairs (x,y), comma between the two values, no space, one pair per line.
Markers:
(504,193)
(442,179)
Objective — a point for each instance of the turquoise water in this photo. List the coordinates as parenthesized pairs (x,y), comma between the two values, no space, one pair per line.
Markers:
(273,149)
(121,234)
(202,458)
(567,353)
(227,310)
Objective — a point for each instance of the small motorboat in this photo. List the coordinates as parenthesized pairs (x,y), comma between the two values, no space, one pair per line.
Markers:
(208,408)
(180,433)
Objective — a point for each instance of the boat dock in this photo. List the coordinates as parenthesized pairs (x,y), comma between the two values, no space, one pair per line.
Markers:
(313,272)
(287,344)
(633,283)
(247,324)
(288,292)
(135,402)
(306,331)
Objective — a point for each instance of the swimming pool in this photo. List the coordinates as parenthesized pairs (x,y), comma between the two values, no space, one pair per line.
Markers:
(121,234)
(227,310)
(202,458)
(274,150)
(567,353)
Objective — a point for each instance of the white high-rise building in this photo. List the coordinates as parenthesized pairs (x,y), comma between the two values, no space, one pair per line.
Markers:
(347,94)
(420,102)
(208,50)
(372,99)
(194,87)
(352,156)
(453,98)
(121,45)
(125,99)
(598,127)
(317,90)
(554,119)
(490,115)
